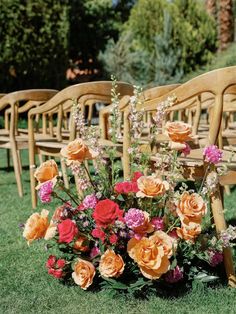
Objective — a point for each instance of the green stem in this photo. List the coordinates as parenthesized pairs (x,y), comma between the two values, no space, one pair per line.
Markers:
(172,226)
(60,198)
(71,196)
(90,178)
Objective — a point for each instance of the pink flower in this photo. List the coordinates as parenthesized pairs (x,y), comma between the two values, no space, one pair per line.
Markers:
(67,231)
(212,154)
(55,267)
(186,151)
(61,263)
(173,234)
(174,275)
(134,218)
(45,192)
(81,207)
(215,257)
(126,187)
(90,201)
(157,223)
(57,273)
(136,176)
(94,252)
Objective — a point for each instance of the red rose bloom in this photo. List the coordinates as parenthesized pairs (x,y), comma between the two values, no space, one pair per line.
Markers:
(136,176)
(67,231)
(113,238)
(126,187)
(107,212)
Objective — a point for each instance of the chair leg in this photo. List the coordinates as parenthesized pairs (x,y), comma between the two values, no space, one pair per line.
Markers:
(19,160)
(219,219)
(64,173)
(8,159)
(227,189)
(32,178)
(40,158)
(16,165)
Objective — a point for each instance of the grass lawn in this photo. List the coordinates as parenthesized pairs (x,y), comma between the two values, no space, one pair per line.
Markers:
(26,288)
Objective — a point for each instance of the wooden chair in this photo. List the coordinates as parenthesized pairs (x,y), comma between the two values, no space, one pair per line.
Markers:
(81,93)
(11,139)
(216,82)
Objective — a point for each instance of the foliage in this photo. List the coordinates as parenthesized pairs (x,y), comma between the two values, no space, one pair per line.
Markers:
(33,50)
(180,30)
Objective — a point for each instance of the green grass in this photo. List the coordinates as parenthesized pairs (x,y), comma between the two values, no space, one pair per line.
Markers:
(25,286)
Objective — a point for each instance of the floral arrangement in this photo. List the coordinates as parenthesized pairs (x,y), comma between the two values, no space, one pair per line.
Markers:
(151,231)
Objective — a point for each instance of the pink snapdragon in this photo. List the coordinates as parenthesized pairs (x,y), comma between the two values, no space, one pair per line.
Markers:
(134,218)
(45,192)
(90,201)
(212,154)
(174,275)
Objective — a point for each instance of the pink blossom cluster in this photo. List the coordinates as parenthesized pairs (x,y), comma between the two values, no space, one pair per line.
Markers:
(212,154)
(45,192)
(134,218)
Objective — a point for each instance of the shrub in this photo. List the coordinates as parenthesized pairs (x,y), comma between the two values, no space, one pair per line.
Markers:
(166,44)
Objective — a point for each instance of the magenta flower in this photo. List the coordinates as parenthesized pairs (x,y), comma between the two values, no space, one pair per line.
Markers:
(90,201)
(174,275)
(45,192)
(215,257)
(157,223)
(94,252)
(212,154)
(134,218)
(186,151)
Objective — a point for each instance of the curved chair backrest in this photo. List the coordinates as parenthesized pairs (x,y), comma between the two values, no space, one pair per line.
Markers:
(31,97)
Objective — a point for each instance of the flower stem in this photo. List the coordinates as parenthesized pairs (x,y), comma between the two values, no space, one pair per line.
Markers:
(172,226)
(90,178)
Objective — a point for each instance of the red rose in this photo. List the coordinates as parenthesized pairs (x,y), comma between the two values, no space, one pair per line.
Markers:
(99,233)
(51,261)
(136,176)
(61,263)
(126,187)
(67,231)
(57,273)
(106,212)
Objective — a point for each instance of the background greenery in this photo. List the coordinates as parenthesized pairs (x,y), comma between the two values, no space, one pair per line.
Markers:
(147,42)
(27,288)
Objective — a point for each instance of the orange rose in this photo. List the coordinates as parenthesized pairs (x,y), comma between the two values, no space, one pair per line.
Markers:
(189,232)
(179,131)
(80,244)
(191,208)
(36,226)
(77,150)
(150,186)
(51,231)
(48,170)
(150,256)
(111,264)
(169,244)
(83,274)
(145,228)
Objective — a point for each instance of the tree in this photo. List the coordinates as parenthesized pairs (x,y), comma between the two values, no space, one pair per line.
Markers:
(226,23)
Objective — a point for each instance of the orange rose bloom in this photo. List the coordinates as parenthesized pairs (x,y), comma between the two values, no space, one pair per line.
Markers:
(179,131)
(83,274)
(191,208)
(150,256)
(48,170)
(161,238)
(36,226)
(111,264)
(145,228)
(189,232)
(80,245)
(150,186)
(51,231)
(77,150)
